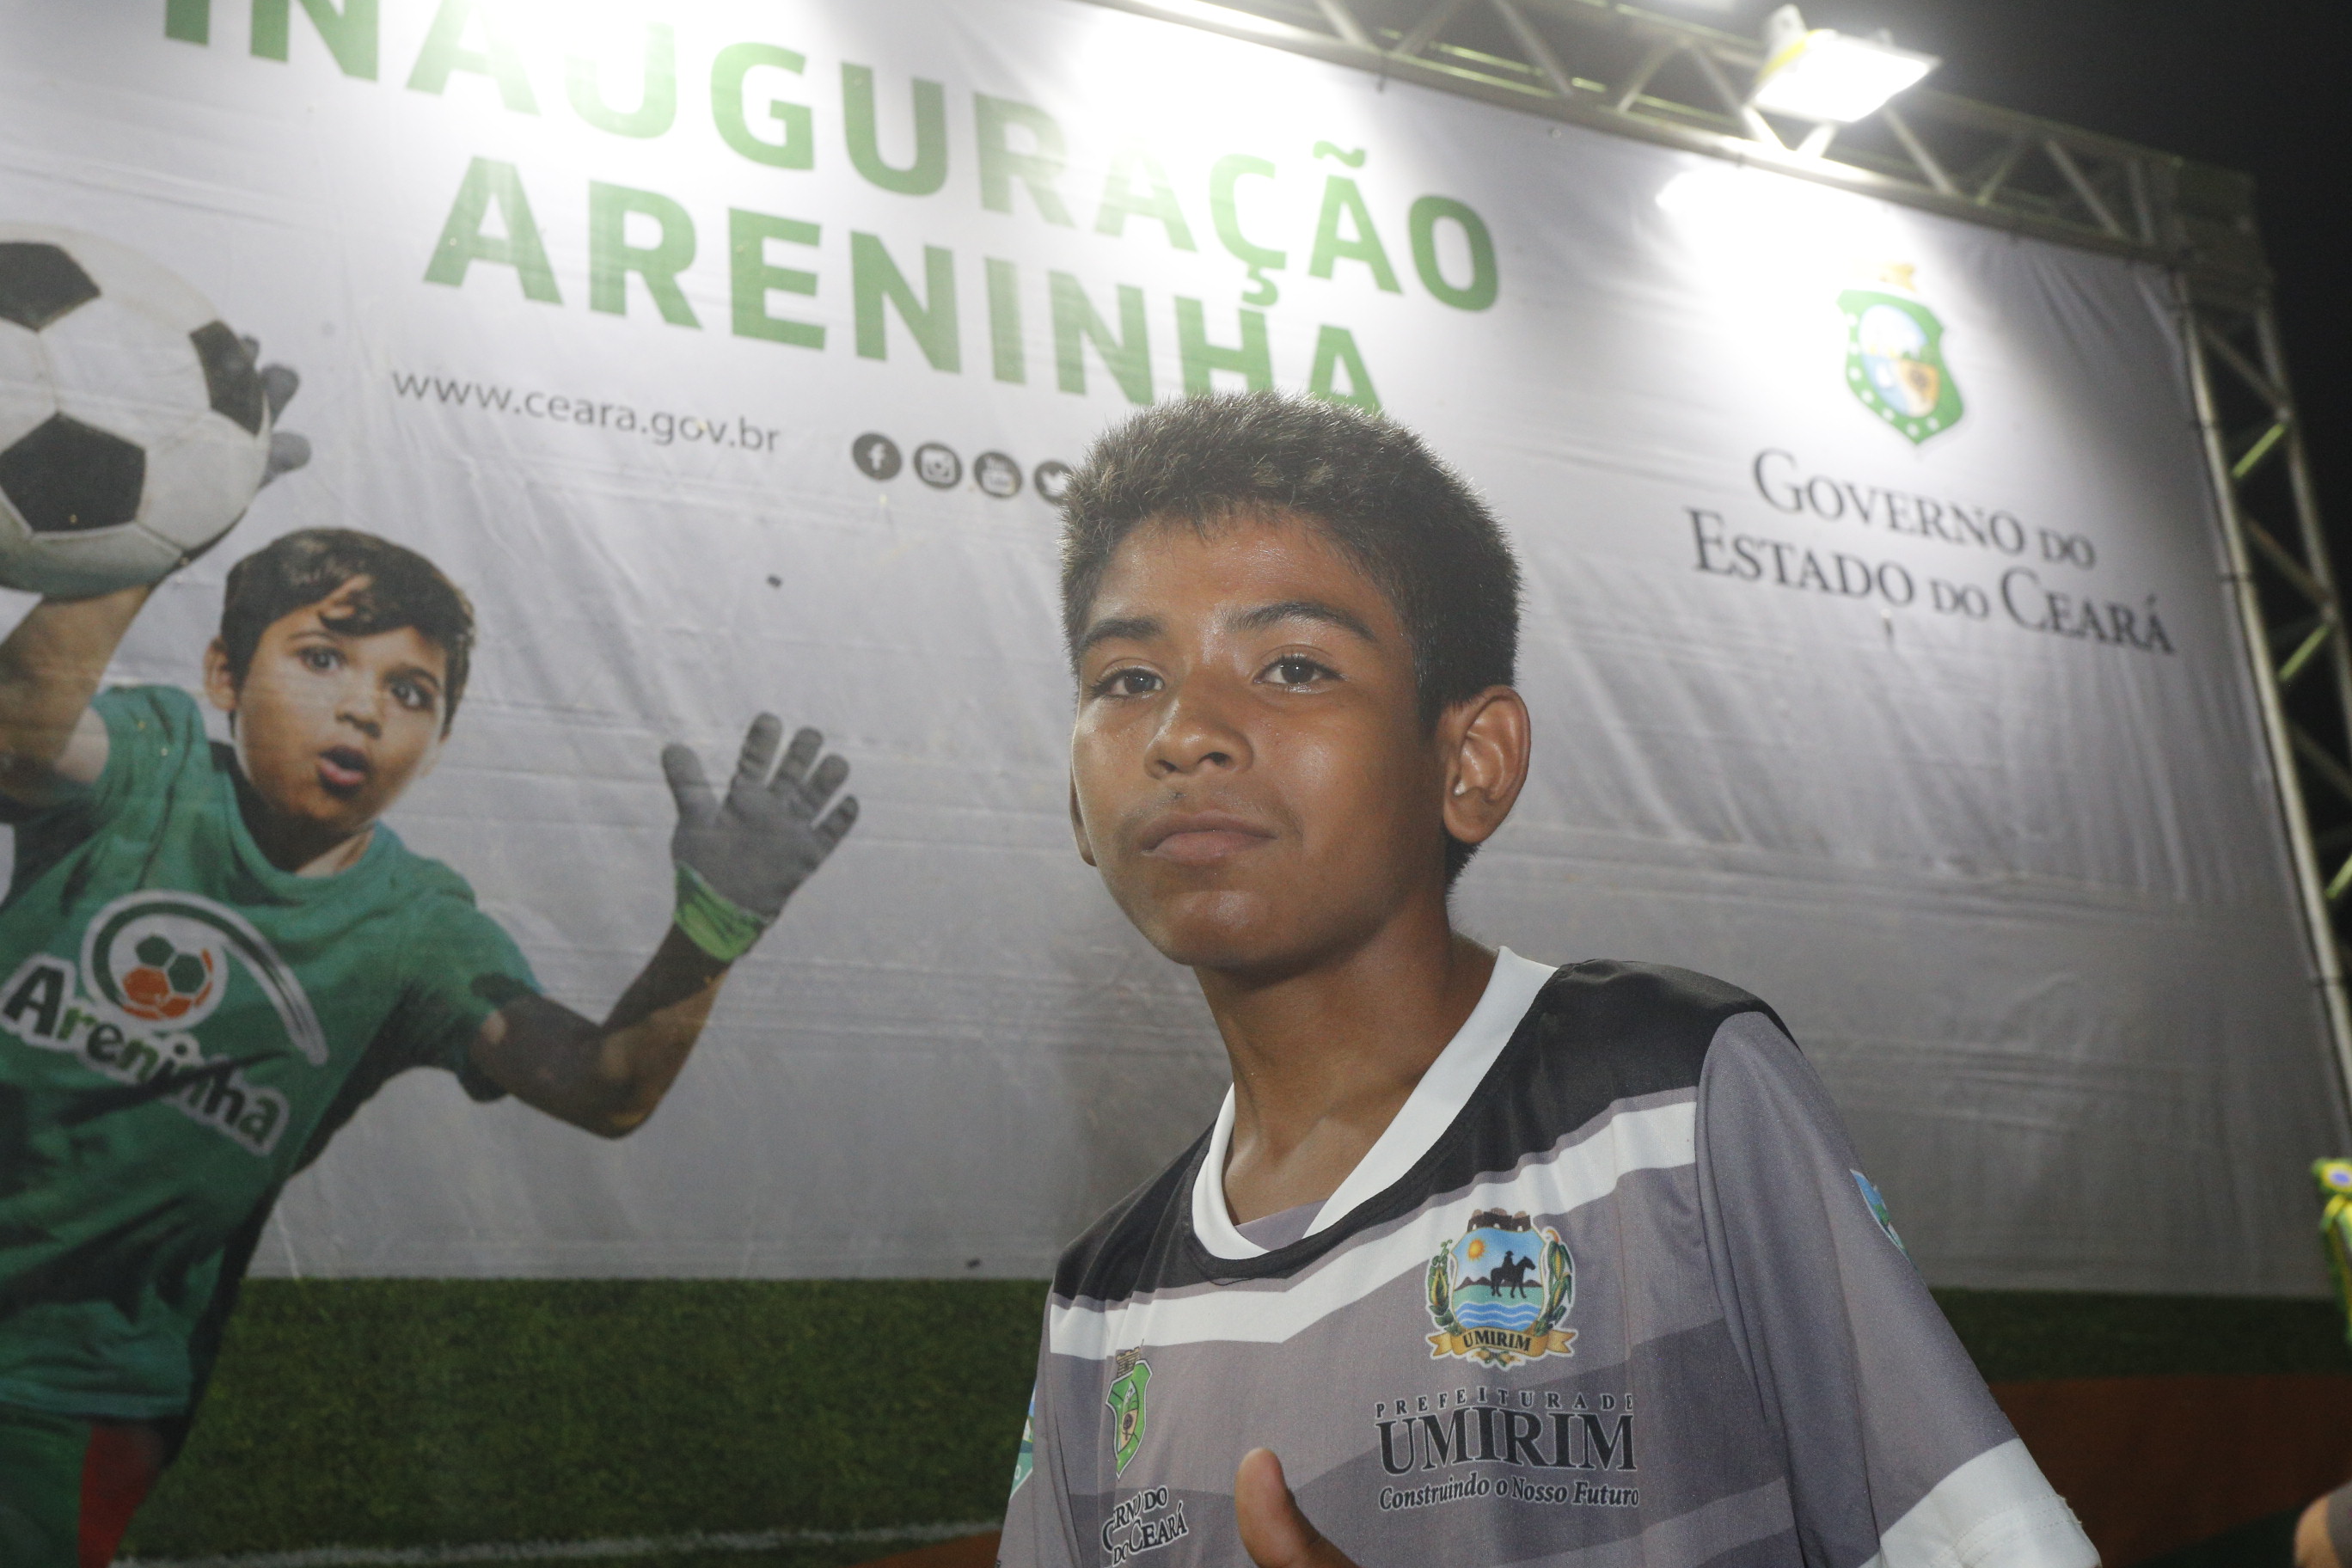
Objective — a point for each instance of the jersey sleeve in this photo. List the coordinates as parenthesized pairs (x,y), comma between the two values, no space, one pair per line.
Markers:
(460,967)
(1896,1453)
(457,967)
(1038,1530)
(152,732)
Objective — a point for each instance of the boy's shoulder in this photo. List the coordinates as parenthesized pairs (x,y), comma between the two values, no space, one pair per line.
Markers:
(155,740)
(1116,1252)
(1596,1035)
(421,877)
(170,711)
(1607,1029)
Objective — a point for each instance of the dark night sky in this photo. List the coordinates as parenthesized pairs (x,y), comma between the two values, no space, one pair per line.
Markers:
(2263,88)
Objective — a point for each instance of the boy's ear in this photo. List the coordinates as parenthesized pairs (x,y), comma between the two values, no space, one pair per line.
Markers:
(219,684)
(1488,741)
(1078,826)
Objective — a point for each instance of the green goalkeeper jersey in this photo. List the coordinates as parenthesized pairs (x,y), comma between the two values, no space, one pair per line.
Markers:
(181,1026)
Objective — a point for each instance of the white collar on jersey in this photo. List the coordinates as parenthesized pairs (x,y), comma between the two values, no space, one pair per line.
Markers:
(1428,1111)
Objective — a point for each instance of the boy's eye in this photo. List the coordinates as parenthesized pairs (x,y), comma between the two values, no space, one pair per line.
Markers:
(409,694)
(1298,669)
(320,659)
(1126,683)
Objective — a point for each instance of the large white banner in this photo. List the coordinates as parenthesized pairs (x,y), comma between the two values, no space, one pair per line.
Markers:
(729,356)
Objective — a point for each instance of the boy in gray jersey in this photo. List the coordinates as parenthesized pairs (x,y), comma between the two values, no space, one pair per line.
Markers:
(1508,1264)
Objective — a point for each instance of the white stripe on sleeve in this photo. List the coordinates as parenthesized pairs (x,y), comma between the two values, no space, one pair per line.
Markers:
(1995,1512)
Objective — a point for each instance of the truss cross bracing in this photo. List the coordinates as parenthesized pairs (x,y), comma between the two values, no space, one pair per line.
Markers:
(1614,67)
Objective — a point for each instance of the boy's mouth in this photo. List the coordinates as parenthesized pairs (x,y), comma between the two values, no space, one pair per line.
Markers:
(1197,838)
(343,770)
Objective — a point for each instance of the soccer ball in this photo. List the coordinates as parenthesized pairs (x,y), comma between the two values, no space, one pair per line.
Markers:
(166,981)
(133,430)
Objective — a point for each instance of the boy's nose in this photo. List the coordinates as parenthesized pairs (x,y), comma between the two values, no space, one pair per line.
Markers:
(1196,733)
(362,711)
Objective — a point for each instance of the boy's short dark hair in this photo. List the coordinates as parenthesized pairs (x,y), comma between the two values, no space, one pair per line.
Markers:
(300,569)
(1410,524)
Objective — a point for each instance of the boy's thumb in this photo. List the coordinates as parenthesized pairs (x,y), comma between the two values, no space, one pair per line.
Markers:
(1274,1532)
(690,787)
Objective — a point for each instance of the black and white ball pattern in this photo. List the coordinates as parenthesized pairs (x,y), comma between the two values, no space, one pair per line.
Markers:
(133,428)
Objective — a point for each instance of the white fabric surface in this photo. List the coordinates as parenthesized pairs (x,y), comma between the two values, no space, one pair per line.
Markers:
(2023,897)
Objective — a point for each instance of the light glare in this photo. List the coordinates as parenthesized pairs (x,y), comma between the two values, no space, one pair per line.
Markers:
(1831,77)
(1226,16)
(1773,239)
(588,27)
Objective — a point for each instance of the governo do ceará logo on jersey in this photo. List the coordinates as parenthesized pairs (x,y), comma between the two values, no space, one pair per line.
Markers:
(162,958)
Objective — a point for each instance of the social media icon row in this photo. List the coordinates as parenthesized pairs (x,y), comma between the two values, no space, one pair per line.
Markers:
(938,466)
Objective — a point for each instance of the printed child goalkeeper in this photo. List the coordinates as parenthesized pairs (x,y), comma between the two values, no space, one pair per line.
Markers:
(213,953)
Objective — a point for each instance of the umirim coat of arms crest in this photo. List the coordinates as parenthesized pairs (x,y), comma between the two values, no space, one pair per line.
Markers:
(1499,1294)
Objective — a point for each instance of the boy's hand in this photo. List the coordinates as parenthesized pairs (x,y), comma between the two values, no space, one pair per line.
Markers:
(752,849)
(1274,1532)
(279,382)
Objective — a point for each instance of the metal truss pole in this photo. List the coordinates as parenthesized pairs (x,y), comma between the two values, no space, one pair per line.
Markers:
(2313,538)
(2211,330)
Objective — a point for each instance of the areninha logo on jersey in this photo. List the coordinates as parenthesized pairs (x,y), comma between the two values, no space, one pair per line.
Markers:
(162,958)
(1894,355)
(1499,1294)
(154,965)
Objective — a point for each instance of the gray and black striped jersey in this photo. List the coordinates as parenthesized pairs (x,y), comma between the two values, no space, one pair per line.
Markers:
(1610,1291)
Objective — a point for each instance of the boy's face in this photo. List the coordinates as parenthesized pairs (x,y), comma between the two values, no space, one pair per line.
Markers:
(1249,770)
(331,727)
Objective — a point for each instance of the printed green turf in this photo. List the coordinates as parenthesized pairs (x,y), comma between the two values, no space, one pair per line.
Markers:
(403,1413)
(414,1413)
(2028,1336)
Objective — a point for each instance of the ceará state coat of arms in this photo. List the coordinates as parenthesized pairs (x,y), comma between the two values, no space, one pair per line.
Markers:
(1499,1294)
(1894,355)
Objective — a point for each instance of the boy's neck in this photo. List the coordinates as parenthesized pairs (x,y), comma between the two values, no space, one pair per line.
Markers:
(1324,1058)
(304,849)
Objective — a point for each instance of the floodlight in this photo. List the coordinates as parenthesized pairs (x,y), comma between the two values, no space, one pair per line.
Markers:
(1829,76)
